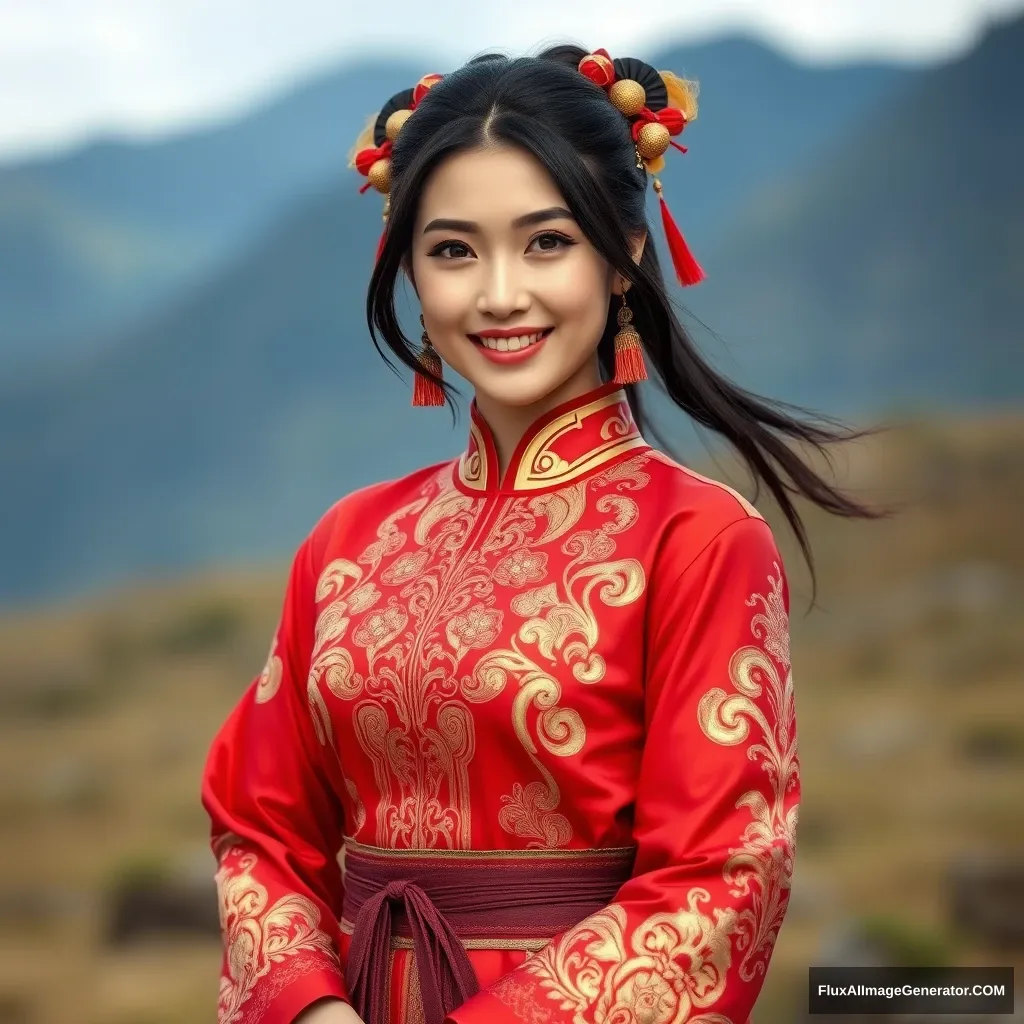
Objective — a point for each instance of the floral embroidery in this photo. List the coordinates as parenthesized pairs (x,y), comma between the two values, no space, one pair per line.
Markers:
(411,715)
(673,964)
(478,627)
(762,868)
(258,936)
(521,567)
(677,963)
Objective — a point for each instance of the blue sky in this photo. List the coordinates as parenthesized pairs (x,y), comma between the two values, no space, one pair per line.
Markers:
(71,68)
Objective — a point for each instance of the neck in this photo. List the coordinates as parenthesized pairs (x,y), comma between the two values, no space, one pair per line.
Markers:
(509,423)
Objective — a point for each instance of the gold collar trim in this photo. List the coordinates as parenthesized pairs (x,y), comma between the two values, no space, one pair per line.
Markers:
(571,441)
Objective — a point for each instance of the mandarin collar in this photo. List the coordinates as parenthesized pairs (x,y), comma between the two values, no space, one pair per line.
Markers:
(571,441)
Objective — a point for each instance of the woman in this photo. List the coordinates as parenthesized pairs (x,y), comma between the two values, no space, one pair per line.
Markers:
(538,698)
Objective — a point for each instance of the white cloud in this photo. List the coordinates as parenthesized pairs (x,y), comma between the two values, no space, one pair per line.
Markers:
(69,69)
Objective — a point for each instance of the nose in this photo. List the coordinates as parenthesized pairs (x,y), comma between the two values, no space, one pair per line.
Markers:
(502,293)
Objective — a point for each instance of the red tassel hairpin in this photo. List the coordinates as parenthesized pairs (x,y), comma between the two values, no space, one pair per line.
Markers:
(688,270)
(652,134)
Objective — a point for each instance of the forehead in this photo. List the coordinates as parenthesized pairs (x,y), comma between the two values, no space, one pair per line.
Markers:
(488,185)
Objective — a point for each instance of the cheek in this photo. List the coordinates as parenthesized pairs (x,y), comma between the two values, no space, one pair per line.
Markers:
(443,296)
(579,292)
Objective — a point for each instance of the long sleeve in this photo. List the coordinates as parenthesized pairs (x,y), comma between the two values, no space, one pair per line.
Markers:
(688,938)
(270,790)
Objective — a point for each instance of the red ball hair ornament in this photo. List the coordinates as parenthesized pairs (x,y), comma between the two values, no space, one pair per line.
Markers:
(652,102)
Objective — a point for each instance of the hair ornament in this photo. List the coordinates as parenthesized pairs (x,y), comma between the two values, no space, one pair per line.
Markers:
(658,106)
(371,155)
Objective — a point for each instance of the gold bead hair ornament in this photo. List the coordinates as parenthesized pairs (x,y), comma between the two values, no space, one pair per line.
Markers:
(658,105)
(371,156)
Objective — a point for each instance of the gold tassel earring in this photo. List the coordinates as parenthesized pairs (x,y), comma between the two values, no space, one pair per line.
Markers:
(629,353)
(426,391)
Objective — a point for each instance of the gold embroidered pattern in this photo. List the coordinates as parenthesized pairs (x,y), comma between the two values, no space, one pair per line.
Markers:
(411,694)
(421,759)
(270,678)
(562,628)
(521,567)
(676,964)
(412,996)
(472,465)
(519,998)
(257,936)
(542,466)
(762,868)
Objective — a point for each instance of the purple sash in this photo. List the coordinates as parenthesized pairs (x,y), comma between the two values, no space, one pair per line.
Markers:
(439,898)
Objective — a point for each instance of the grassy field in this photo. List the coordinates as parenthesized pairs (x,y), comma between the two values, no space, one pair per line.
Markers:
(910,710)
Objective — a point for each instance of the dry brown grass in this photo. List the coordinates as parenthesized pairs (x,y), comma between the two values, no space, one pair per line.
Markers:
(910,705)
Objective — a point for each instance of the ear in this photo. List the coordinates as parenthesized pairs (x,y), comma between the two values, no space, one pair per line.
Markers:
(619,285)
(639,243)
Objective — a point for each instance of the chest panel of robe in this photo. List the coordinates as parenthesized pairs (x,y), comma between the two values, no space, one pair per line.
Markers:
(511,622)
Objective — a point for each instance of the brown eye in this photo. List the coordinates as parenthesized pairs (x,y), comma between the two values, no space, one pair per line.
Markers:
(550,241)
(451,251)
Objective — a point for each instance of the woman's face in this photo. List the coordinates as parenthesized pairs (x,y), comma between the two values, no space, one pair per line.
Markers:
(514,296)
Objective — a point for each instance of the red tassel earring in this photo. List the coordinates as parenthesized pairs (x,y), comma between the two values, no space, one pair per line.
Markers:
(629,353)
(427,391)
(688,270)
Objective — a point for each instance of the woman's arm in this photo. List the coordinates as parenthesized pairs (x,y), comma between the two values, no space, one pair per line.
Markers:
(329,1011)
(271,791)
(689,936)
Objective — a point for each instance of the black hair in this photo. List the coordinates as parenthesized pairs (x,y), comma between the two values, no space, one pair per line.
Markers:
(546,107)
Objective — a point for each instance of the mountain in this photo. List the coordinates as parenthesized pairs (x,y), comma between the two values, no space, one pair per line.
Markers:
(100,237)
(221,427)
(895,265)
(762,117)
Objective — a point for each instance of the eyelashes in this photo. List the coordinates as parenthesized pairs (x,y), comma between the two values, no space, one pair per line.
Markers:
(556,236)
(452,249)
(442,248)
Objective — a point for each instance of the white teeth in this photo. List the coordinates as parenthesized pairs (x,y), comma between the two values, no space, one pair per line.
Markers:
(510,344)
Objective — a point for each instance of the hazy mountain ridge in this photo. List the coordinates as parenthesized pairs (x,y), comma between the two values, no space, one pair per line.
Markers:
(205,194)
(895,264)
(225,426)
(115,228)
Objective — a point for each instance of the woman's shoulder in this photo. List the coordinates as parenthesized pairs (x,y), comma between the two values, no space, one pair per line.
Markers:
(699,510)
(374,502)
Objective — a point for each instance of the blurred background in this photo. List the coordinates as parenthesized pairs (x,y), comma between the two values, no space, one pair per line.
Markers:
(187,383)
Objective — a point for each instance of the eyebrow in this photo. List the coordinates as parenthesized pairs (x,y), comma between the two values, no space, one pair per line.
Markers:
(525,221)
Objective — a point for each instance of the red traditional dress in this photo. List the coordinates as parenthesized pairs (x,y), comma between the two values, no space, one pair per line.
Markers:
(590,653)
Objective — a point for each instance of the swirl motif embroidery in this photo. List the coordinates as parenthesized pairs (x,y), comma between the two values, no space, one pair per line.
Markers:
(270,678)
(566,629)
(763,867)
(675,965)
(672,965)
(257,936)
(412,695)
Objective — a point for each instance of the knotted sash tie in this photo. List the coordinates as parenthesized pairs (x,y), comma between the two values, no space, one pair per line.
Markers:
(438,899)
(446,976)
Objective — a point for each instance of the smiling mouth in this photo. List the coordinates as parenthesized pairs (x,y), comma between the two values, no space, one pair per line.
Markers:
(514,343)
